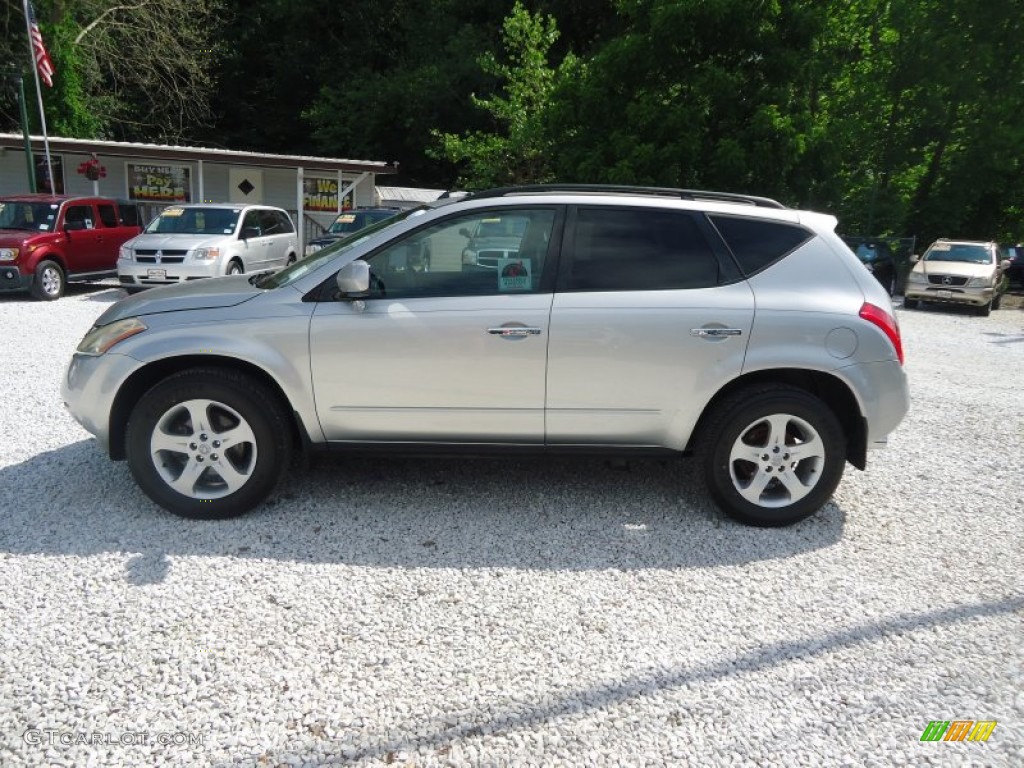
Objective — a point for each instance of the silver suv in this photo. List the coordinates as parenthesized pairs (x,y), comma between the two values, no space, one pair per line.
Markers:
(627,320)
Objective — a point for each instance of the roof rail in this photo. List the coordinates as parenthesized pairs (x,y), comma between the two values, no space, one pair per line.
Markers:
(612,189)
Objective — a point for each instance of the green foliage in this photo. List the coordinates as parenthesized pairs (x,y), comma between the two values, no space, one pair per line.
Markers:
(517,150)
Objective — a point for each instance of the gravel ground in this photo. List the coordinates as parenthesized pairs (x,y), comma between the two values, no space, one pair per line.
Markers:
(461,612)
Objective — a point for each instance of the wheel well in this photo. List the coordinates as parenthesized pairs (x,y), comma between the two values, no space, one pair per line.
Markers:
(55,258)
(145,378)
(836,395)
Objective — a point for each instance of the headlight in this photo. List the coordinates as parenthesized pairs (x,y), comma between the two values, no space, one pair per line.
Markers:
(206,254)
(980,282)
(99,340)
(8,254)
(311,249)
(917,277)
(124,253)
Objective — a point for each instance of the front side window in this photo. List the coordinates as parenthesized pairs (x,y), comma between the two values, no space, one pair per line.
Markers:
(250,225)
(284,222)
(638,249)
(270,224)
(78,217)
(475,254)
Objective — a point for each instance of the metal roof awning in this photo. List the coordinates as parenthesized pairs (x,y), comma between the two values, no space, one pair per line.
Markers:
(193,154)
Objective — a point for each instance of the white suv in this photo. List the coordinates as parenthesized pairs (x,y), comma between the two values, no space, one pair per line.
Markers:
(187,242)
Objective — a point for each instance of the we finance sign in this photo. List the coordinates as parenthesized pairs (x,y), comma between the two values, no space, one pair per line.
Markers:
(321,194)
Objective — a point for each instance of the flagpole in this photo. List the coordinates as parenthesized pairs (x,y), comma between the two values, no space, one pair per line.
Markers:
(39,97)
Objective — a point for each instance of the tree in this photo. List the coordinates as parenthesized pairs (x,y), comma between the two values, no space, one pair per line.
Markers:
(131,69)
(517,149)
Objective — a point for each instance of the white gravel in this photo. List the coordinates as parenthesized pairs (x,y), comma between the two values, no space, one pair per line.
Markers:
(458,612)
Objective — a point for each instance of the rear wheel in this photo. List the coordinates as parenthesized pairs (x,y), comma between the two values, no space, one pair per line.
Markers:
(49,282)
(772,455)
(208,443)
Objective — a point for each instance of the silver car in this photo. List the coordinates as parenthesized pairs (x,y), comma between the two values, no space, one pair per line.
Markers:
(632,321)
(187,242)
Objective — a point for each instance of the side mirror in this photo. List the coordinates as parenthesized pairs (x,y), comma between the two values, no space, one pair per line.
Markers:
(71,226)
(248,232)
(915,257)
(1004,265)
(465,233)
(354,278)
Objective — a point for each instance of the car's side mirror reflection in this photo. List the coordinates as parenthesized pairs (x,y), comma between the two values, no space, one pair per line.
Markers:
(354,279)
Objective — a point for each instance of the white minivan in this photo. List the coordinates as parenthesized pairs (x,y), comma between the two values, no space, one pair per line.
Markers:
(188,242)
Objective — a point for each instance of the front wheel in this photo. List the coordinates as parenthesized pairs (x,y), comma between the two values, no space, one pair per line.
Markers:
(909,303)
(208,443)
(49,282)
(772,455)
(235,267)
(985,309)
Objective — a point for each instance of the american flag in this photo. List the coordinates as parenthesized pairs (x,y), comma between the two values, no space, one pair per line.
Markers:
(43,63)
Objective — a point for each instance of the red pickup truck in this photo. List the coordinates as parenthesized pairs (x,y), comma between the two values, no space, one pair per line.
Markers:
(48,240)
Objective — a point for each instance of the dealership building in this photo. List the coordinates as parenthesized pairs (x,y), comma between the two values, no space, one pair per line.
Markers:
(312,189)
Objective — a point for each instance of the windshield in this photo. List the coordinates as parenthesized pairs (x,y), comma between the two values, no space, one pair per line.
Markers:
(303,267)
(974,254)
(195,221)
(37,217)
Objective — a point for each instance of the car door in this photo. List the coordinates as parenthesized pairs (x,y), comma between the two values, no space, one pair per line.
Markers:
(649,319)
(453,353)
(276,237)
(254,247)
(83,241)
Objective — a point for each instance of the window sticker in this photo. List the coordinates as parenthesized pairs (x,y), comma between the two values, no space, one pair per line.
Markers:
(173,211)
(347,218)
(941,247)
(515,274)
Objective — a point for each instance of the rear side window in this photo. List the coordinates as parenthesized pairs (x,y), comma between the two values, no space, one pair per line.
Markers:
(284,221)
(756,243)
(270,224)
(619,249)
(107,214)
(129,214)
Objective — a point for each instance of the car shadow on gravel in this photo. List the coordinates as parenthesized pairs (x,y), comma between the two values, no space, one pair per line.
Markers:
(536,513)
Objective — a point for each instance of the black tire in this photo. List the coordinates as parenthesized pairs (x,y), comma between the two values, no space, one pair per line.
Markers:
(49,281)
(997,301)
(740,423)
(985,309)
(910,303)
(291,260)
(230,403)
(235,267)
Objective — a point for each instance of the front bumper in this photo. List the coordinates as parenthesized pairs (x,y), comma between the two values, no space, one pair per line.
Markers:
(89,387)
(944,294)
(11,278)
(131,273)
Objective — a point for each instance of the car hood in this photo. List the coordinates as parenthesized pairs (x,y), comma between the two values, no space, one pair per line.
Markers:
(176,242)
(958,268)
(12,237)
(210,293)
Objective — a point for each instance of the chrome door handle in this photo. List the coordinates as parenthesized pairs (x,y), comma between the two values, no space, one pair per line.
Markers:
(514,332)
(715,332)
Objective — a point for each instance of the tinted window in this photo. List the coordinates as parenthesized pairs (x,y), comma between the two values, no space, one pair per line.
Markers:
(639,250)
(444,259)
(78,217)
(284,222)
(270,224)
(251,225)
(107,215)
(129,214)
(756,243)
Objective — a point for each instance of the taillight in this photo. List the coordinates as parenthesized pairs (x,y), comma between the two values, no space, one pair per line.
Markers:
(887,322)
